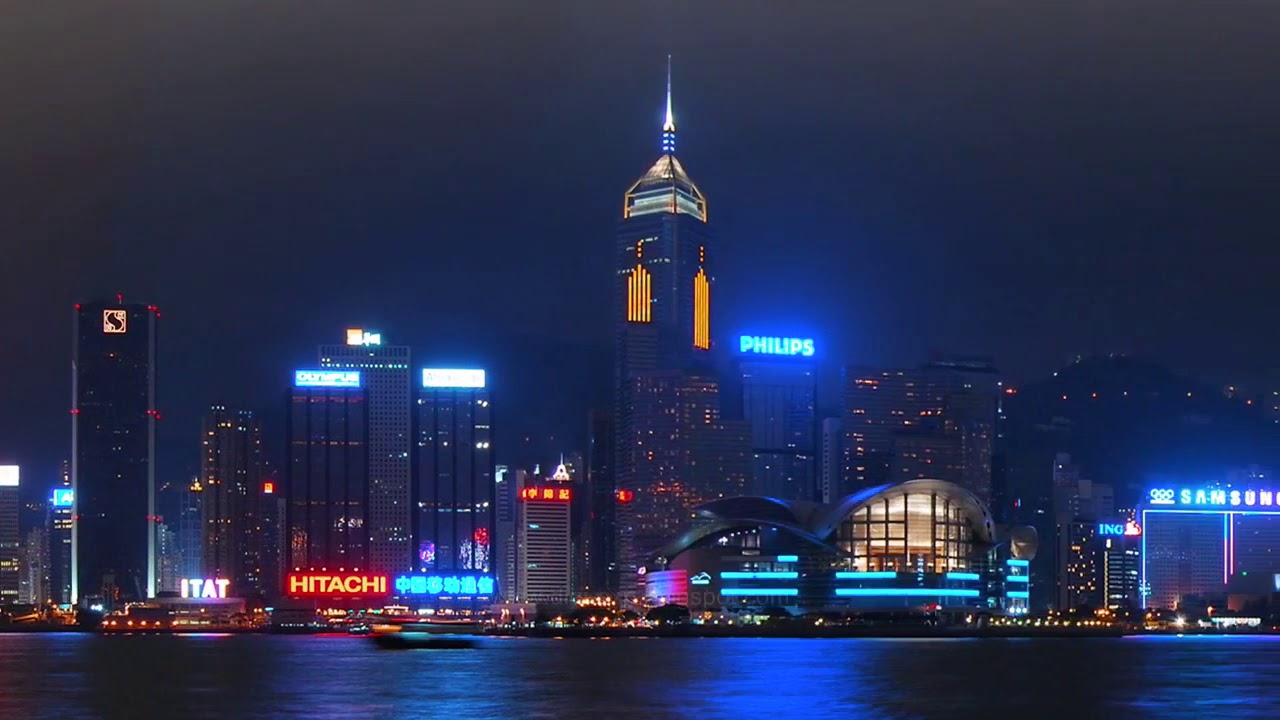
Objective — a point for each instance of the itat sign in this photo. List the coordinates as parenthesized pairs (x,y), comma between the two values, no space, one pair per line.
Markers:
(204,587)
(761,345)
(1214,498)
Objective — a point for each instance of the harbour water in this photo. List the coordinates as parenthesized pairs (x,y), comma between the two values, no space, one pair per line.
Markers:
(348,678)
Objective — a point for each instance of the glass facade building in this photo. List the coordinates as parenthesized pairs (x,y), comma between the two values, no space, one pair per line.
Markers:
(113,423)
(779,400)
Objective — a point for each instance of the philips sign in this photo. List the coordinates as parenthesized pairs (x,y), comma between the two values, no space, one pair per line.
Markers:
(327,378)
(1214,498)
(759,345)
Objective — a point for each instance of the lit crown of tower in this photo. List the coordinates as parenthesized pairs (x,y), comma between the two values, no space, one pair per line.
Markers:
(666,187)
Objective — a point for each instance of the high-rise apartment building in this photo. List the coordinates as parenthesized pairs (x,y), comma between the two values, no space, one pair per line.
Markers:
(779,400)
(327,471)
(113,424)
(10,539)
(384,370)
(545,545)
(231,469)
(454,494)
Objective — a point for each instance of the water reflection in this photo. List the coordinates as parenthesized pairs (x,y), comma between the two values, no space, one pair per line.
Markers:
(82,676)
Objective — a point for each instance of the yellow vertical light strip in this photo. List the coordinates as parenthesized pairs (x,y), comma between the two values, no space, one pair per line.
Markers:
(639,295)
(701,311)
(646,297)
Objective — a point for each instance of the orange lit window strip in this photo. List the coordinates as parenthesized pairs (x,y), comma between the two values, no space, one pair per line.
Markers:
(701,311)
(639,295)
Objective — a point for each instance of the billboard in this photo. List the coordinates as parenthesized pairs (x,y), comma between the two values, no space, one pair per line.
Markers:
(204,587)
(1214,497)
(63,497)
(452,378)
(763,345)
(360,336)
(545,493)
(115,322)
(447,585)
(327,378)
(326,584)
(8,476)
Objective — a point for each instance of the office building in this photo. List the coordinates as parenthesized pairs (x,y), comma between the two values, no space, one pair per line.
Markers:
(936,421)
(832,458)
(61,504)
(33,585)
(190,528)
(168,559)
(10,539)
(1120,554)
(454,493)
(546,547)
(598,547)
(327,474)
(387,379)
(663,281)
(264,569)
(505,540)
(779,400)
(231,469)
(113,424)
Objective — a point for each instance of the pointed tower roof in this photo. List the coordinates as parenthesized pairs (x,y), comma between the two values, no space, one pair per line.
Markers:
(666,187)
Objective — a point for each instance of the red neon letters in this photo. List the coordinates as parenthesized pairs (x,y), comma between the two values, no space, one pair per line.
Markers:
(334,584)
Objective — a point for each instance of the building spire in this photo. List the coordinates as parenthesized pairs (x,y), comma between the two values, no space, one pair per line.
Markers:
(669,123)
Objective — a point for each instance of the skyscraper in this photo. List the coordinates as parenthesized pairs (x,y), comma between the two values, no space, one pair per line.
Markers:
(779,400)
(455,495)
(546,549)
(832,459)
(10,545)
(61,502)
(264,569)
(598,546)
(231,469)
(190,529)
(662,325)
(384,370)
(505,539)
(113,424)
(327,473)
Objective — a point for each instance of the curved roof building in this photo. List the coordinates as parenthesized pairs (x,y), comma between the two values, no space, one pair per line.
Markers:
(922,542)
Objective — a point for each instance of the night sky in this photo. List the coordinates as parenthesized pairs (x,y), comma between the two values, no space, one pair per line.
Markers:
(1025,180)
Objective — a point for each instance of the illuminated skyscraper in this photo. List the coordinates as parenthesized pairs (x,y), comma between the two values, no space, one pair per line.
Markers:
(231,469)
(113,424)
(384,370)
(61,502)
(662,323)
(10,565)
(598,540)
(546,549)
(327,472)
(455,494)
(779,400)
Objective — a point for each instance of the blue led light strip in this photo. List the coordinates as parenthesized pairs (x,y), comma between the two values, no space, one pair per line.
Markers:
(907,592)
(1022,563)
(963,576)
(759,592)
(779,575)
(1017,578)
(1023,594)
(886,575)
(788,558)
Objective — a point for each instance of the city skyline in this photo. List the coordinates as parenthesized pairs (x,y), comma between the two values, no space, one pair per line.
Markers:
(960,193)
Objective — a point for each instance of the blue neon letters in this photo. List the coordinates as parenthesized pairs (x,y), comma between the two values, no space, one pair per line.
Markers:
(327,378)
(465,585)
(452,378)
(759,345)
(1213,497)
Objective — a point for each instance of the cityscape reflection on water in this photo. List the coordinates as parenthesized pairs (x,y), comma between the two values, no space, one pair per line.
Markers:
(87,676)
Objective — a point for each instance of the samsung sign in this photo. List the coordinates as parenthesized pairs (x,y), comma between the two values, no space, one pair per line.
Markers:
(327,378)
(760,345)
(1214,497)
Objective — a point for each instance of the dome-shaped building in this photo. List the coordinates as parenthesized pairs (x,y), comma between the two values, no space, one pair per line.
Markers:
(915,544)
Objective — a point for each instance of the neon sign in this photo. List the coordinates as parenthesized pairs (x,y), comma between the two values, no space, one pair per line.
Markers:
(546,494)
(1129,528)
(327,378)
(448,585)
(1214,497)
(8,476)
(452,378)
(300,584)
(204,587)
(358,336)
(701,578)
(626,496)
(115,322)
(63,497)
(759,345)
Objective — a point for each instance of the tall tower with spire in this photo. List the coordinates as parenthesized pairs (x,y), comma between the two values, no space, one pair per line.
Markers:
(662,333)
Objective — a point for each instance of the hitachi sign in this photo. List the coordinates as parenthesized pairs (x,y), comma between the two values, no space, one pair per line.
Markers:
(336,584)
(760,345)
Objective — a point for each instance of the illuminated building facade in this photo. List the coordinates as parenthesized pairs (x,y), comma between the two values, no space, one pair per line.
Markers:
(113,424)
(327,471)
(388,384)
(1121,565)
(1196,539)
(779,400)
(545,543)
(664,277)
(231,471)
(10,539)
(917,545)
(455,494)
(61,502)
